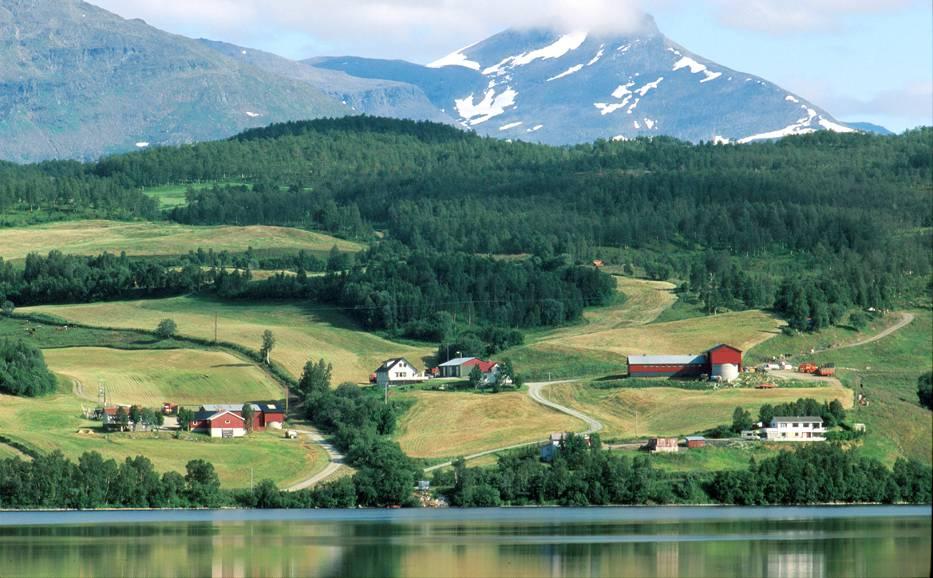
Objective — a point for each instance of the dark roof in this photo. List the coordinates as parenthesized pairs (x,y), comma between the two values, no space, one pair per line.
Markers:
(800,418)
(390,363)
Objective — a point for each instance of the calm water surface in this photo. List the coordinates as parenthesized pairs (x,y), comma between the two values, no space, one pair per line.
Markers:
(607,542)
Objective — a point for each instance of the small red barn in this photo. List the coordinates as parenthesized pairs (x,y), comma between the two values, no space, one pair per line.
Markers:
(226,424)
(725,354)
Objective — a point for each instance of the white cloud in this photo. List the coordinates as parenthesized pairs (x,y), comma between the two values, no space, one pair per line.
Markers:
(416,29)
(786,16)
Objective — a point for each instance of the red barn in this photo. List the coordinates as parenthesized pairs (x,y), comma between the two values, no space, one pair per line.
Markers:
(710,363)
(724,354)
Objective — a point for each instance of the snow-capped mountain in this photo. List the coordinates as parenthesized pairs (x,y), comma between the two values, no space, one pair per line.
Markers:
(564,88)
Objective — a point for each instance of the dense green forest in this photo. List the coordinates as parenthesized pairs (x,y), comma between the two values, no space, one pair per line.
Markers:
(809,225)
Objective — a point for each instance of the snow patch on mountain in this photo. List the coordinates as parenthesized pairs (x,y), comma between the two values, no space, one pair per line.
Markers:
(651,85)
(835,127)
(492,105)
(567,72)
(535,128)
(650,123)
(511,125)
(456,58)
(599,55)
(791,98)
(609,108)
(622,90)
(252,114)
(696,68)
(802,126)
(142,145)
(563,45)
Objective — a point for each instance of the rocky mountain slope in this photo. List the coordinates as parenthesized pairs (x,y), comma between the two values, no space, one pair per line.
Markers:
(562,88)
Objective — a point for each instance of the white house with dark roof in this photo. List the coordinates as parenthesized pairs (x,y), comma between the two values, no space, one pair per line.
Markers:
(795,429)
(397,371)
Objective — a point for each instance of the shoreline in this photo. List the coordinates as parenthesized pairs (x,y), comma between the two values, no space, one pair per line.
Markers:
(677,513)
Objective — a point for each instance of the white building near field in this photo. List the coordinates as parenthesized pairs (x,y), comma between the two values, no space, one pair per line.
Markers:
(396,372)
(795,429)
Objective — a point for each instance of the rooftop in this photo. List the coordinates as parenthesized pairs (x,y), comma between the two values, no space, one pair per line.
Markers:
(667,359)
(803,418)
(456,362)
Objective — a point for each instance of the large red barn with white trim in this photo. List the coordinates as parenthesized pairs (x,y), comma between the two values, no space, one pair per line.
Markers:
(711,362)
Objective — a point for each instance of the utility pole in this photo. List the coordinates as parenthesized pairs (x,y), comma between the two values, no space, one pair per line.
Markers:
(387,393)
(251,479)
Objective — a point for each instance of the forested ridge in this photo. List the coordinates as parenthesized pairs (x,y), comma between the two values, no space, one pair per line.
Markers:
(809,225)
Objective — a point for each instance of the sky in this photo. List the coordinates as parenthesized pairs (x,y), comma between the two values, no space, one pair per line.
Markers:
(862,60)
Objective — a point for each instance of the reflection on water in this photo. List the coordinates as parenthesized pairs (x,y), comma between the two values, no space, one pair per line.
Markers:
(494,543)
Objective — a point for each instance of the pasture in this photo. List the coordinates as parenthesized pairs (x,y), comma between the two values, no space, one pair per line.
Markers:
(55,423)
(887,371)
(443,424)
(588,351)
(301,332)
(151,377)
(148,238)
(633,413)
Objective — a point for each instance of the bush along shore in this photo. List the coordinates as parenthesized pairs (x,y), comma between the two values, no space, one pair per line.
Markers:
(581,474)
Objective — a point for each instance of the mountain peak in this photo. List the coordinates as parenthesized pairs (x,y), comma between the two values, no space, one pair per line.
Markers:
(561,87)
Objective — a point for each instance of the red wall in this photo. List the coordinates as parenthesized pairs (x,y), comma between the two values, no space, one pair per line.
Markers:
(725,354)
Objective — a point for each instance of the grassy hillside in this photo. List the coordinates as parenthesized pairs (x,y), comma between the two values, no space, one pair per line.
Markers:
(451,424)
(594,350)
(149,378)
(56,423)
(887,371)
(669,411)
(149,238)
(301,333)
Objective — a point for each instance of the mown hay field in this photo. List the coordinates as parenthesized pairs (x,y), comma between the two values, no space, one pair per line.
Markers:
(147,238)
(445,424)
(56,423)
(578,351)
(301,332)
(670,411)
(151,377)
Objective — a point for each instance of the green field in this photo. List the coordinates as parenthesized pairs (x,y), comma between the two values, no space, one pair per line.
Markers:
(735,456)
(147,238)
(634,413)
(888,369)
(445,424)
(149,378)
(576,352)
(301,332)
(56,422)
(171,196)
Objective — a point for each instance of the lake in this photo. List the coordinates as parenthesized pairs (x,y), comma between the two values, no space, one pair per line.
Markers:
(870,541)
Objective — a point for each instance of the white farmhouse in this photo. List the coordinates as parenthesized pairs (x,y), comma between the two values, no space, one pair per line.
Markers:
(795,429)
(397,371)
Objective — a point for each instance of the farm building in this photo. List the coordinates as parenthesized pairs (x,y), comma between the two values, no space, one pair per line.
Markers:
(456,367)
(225,424)
(396,372)
(723,362)
(795,429)
(694,442)
(662,445)
(265,415)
